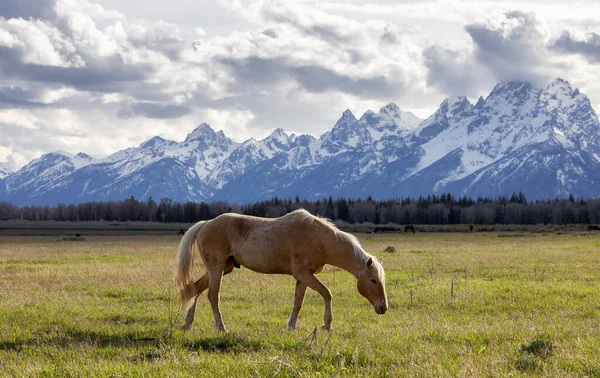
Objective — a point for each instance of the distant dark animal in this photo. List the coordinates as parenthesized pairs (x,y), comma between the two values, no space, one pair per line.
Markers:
(369,232)
(72,238)
(409,227)
(385,229)
(593,227)
(471,228)
(77,235)
(180,232)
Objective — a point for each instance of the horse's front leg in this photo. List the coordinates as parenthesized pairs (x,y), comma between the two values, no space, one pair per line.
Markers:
(298,300)
(310,280)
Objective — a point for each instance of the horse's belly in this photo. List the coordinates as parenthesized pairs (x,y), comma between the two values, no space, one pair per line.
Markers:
(268,263)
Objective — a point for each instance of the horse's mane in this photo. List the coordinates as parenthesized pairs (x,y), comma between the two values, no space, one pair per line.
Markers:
(304,216)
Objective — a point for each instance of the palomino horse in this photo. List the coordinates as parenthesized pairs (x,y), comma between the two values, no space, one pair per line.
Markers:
(298,244)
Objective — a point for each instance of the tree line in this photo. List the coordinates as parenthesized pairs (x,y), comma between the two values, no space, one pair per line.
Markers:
(433,209)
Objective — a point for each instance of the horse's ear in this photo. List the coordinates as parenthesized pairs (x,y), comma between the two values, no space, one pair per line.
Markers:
(380,258)
(370,262)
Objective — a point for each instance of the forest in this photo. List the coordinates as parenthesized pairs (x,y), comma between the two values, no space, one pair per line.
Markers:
(434,209)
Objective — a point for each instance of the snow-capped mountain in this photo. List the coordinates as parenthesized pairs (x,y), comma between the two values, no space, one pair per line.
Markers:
(6,169)
(249,154)
(542,141)
(157,168)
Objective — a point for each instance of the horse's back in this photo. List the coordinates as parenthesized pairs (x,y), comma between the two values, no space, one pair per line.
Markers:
(265,245)
(248,239)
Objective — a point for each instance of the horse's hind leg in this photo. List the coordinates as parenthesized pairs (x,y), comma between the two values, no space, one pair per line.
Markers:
(299,299)
(214,288)
(308,278)
(200,286)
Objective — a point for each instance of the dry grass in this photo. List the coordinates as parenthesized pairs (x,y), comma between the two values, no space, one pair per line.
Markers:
(461,305)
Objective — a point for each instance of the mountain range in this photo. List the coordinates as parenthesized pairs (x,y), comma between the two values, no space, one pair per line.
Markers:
(543,141)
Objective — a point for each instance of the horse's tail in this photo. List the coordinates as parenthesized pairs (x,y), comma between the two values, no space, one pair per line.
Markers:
(185,261)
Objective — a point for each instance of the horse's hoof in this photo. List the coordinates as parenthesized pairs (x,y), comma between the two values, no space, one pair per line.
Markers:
(326,328)
(186,327)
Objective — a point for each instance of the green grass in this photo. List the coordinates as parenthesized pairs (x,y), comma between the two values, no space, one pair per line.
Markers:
(461,304)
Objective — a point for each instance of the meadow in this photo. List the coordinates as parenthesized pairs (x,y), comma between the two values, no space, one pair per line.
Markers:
(461,304)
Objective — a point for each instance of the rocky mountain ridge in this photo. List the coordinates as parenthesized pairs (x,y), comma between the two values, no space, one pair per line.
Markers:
(542,141)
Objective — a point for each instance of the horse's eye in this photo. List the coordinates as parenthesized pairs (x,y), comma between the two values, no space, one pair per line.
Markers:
(374,281)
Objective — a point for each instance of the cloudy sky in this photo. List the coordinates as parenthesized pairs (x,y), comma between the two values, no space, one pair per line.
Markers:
(102,75)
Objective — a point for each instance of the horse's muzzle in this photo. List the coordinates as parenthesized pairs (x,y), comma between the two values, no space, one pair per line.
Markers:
(381,308)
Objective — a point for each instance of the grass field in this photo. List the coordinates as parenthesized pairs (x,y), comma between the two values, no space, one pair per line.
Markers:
(482,304)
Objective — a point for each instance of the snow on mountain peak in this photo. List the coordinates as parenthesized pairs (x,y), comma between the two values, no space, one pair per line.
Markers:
(404,120)
(153,142)
(369,118)
(6,169)
(204,131)
(83,155)
(390,108)
(81,160)
(508,86)
(278,134)
(559,87)
(249,154)
(512,91)
(278,140)
(453,103)
(347,118)
(480,103)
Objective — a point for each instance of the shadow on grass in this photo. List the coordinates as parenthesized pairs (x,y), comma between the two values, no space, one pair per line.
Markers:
(227,344)
(103,339)
(78,337)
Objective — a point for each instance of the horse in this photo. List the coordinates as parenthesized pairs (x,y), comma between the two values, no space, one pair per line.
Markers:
(180,232)
(298,244)
(593,227)
(471,228)
(409,227)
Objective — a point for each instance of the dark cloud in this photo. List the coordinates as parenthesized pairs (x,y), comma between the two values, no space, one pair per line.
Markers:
(453,71)
(253,72)
(256,72)
(27,8)
(321,79)
(163,38)
(389,37)
(154,110)
(588,47)
(109,74)
(513,51)
(318,28)
(270,33)
(17,97)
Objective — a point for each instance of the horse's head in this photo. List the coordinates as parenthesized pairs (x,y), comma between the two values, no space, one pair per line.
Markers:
(371,285)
